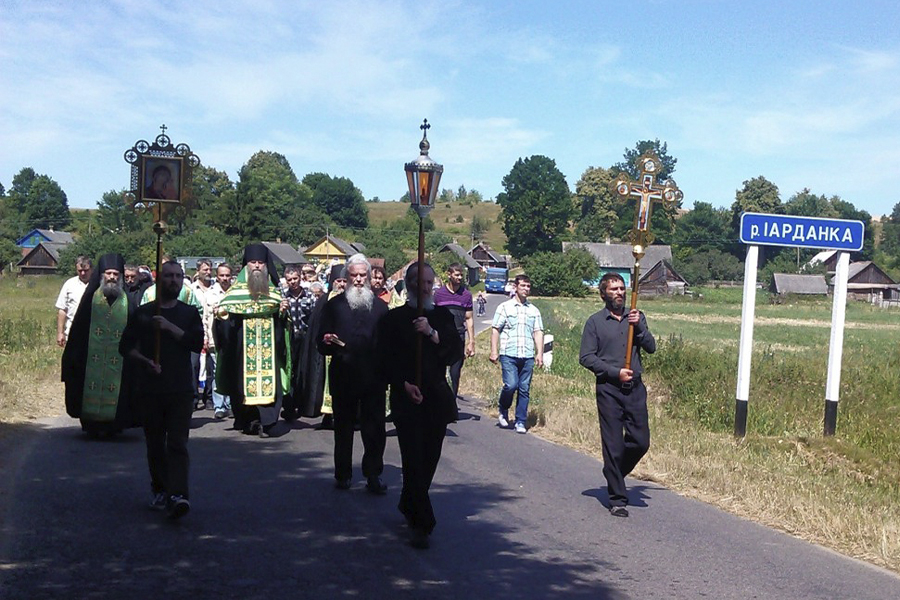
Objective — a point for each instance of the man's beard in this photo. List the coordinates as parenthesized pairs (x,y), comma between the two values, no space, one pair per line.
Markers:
(615,306)
(112,290)
(258,282)
(359,297)
(427,301)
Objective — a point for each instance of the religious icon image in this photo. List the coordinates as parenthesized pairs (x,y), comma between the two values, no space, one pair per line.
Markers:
(162,179)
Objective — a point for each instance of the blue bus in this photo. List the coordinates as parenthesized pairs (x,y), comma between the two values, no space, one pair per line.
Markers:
(495,280)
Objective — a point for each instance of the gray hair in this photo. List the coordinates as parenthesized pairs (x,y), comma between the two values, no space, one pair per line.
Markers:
(357,259)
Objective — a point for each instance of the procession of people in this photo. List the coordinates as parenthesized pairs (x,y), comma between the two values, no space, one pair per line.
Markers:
(280,346)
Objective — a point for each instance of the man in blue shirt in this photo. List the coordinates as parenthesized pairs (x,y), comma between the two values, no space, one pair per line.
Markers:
(517,343)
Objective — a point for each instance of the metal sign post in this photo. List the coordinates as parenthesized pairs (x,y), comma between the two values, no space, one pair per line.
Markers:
(802,232)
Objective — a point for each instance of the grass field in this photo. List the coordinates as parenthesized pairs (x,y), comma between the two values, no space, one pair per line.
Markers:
(29,357)
(842,492)
(454,218)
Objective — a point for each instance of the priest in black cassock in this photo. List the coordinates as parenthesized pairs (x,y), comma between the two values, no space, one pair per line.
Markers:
(347,334)
(99,385)
(420,413)
(254,360)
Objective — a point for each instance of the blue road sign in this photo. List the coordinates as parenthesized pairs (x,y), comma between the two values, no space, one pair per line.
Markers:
(805,232)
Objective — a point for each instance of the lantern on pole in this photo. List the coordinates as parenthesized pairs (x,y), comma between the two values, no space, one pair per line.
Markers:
(423,176)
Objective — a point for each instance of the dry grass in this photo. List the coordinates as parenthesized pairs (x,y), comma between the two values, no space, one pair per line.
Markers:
(454,218)
(824,490)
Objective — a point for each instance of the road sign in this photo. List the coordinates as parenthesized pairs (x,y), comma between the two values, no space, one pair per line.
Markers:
(805,232)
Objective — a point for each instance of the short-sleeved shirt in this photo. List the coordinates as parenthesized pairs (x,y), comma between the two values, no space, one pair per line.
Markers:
(517,323)
(458,303)
(69,298)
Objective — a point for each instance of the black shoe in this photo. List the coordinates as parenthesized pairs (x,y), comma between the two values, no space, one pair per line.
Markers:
(342,484)
(266,430)
(327,422)
(618,511)
(418,539)
(376,486)
(177,507)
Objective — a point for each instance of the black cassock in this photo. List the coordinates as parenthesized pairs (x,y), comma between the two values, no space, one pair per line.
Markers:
(312,365)
(75,356)
(420,427)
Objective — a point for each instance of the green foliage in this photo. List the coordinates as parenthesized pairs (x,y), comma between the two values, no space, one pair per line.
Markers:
(595,205)
(707,265)
(479,227)
(561,273)
(37,201)
(270,203)
(629,165)
(9,253)
(116,215)
(890,234)
(758,195)
(338,198)
(536,206)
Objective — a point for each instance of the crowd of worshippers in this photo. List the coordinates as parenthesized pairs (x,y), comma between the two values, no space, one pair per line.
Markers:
(269,349)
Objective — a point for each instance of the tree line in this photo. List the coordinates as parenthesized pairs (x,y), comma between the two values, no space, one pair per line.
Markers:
(539,212)
(268,202)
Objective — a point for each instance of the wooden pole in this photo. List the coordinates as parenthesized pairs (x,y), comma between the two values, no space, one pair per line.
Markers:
(634,299)
(420,301)
(158,227)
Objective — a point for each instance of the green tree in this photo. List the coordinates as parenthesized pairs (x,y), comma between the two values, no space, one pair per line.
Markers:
(703,228)
(9,253)
(561,273)
(536,206)
(115,214)
(709,264)
(758,195)
(38,201)
(338,198)
(806,204)
(890,234)
(480,226)
(629,165)
(595,206)
(269,201)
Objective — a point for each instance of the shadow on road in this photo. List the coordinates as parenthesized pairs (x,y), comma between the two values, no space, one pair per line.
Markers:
(266,523)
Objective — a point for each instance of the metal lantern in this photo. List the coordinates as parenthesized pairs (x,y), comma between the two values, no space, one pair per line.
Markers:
(423,176)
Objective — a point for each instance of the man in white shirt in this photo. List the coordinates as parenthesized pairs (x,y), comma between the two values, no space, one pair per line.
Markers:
(69,298)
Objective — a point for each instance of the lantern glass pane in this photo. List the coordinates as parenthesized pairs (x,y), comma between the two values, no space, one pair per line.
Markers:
(425,181)
(435,184)
(413,187)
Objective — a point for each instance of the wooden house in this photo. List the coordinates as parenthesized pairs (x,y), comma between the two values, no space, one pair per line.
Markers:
(42,259)
(473,268)
(329,249)
(285,254)
(826,257)
(30,240)
(617,258)
(662,279)
(807,285)
(484,256)
(866,281)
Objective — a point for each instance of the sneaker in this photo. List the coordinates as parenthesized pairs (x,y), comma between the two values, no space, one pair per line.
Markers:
(220,414)
(503,421)
(178,507)
(158,501)
(520,428)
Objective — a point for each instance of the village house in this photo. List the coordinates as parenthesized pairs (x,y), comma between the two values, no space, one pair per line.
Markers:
(658,276)
(40,251)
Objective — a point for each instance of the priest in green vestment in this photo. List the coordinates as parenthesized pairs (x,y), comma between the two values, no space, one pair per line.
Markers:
(98,383)
(254,362)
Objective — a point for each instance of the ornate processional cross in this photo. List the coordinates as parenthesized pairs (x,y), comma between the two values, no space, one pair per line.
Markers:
(646,191)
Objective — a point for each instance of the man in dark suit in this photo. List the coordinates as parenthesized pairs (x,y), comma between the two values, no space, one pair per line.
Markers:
(422,406)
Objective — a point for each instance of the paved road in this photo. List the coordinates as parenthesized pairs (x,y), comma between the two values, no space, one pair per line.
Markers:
(518,518)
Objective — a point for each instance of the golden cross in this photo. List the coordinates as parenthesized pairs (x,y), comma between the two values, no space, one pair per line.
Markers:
(647,191)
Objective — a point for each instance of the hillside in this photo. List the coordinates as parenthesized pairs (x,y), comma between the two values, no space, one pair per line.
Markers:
(455,218)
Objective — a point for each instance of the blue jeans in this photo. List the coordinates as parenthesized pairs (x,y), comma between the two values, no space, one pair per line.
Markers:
(220,402)
(516,374)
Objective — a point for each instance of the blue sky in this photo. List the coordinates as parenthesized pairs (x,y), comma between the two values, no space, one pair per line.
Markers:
(806,94)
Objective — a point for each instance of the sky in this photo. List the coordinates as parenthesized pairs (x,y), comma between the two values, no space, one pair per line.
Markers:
(806,94)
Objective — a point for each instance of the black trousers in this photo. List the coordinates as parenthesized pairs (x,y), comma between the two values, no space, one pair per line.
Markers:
(167,422)
(370,407)
(456,369)
(420,443)
(625,434)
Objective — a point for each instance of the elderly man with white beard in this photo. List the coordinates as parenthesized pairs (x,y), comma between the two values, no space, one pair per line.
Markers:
(254,362)
(98,383)
(347,334)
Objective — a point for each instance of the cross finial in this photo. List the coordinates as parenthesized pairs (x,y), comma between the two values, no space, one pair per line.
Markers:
(425,127)
(163,128)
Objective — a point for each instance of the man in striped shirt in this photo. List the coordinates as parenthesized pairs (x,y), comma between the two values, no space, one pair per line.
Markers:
(517,343)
